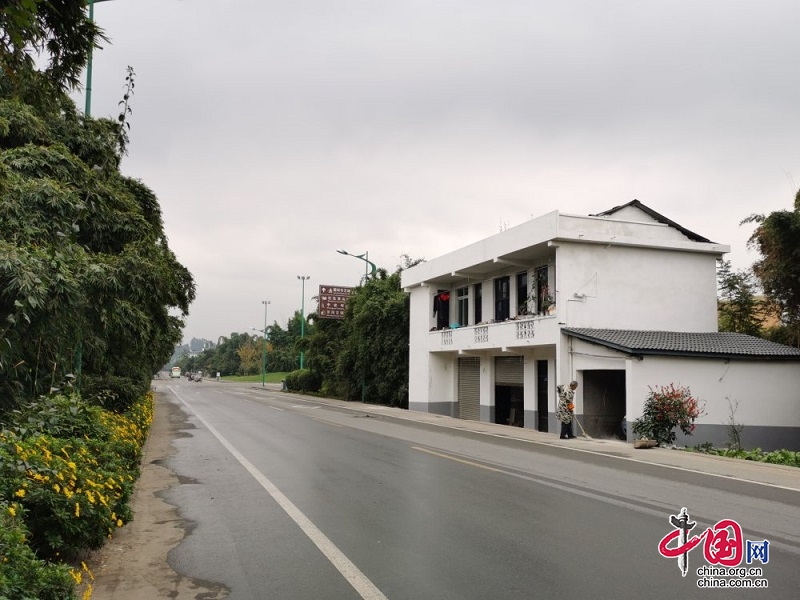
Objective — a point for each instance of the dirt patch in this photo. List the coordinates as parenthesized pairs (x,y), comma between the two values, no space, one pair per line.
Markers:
(133,564)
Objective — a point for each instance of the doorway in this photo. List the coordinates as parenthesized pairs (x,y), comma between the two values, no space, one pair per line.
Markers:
(604,403)
(508,405)
(509,408)
(541,395)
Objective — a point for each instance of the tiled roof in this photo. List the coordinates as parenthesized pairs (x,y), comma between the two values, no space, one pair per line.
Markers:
(679,343)
(657,216)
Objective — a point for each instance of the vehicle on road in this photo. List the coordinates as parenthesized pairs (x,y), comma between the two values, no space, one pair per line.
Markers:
(175,372)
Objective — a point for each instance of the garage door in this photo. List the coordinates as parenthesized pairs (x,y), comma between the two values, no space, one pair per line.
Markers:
(508,370)
(469,388)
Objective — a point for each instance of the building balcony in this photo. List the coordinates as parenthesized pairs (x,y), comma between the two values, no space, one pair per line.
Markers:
(523,332)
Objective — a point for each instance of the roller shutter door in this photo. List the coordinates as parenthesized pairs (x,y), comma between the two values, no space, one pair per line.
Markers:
(508,370)
(469,388)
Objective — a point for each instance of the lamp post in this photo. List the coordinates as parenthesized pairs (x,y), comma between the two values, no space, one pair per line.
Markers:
(264,347)
(88,109)
(264,352)
(367,262)
(303,279)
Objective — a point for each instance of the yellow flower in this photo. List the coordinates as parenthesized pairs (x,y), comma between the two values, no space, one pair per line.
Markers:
(12,511)
(77,510)
(87,593)
(57,488)
(119,522)
(76,575)
(20,493)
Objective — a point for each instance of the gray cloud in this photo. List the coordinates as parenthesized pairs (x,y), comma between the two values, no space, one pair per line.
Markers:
(274,133)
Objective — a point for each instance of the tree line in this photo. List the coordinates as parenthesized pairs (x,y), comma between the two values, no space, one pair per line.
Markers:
(363,356)
(91,295)
(764,300)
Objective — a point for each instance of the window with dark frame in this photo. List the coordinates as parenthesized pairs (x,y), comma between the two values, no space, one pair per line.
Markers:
(462,306)
(522,293)
(543,297)
(478,302)
(502,298)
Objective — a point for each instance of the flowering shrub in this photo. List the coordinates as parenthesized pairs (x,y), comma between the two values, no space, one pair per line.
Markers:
(666,408)
(72,490)
(22,574)
(73,497)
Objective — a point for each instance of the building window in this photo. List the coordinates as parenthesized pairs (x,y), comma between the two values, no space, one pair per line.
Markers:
(462,306)
(543,297)
(502,299)
(478,302)
(441,309)
(522,293)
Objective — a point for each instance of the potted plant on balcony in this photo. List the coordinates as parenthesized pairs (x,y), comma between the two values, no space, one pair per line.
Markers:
(548,306)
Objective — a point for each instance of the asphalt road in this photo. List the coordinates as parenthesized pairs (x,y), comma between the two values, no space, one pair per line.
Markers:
(287,497)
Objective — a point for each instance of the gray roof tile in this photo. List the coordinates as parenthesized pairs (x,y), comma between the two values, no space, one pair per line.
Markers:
(686,343)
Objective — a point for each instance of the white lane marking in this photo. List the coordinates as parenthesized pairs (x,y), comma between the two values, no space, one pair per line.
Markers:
(365,588)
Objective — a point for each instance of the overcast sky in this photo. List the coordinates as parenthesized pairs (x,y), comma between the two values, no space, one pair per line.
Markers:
(275,133)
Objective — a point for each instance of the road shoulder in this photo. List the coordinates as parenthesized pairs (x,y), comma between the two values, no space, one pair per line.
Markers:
(133,563)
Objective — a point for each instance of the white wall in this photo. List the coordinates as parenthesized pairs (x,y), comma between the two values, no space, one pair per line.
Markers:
(768,391)
(443,388)
(636,288)
(418,359)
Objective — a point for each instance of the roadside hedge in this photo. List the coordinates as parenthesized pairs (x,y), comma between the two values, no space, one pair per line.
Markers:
(303,380)
(67,470)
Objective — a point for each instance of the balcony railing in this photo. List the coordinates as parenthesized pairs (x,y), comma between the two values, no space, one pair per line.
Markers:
(531,331)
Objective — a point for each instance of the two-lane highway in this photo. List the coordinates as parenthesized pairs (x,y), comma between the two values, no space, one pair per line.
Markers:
(291,498)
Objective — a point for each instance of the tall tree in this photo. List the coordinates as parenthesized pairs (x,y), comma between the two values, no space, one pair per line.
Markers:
(739,309)
(56,29)
(249,355)
(777,239)
(374,352)
(87,278)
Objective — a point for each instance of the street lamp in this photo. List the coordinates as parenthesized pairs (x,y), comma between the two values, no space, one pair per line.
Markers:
(88,110)
(367,262)
(303,279)
(264,349)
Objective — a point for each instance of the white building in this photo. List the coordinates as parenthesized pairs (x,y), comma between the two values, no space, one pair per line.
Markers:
(619,301)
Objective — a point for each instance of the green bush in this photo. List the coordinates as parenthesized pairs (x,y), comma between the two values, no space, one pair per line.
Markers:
(22,574)
(113,392)
(61,416)
(666,408)
(787,458)
(75,489)
(303,380)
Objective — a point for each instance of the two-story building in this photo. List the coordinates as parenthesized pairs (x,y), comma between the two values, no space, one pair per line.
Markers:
(619,301)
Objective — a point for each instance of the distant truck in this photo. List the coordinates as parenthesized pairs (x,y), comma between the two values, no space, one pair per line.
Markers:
(175,372)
